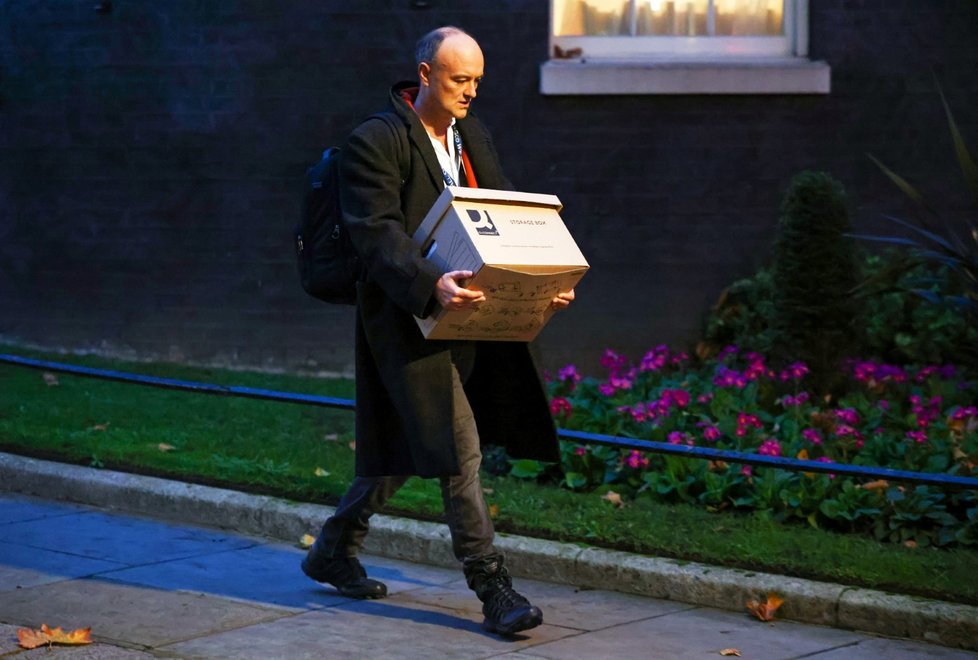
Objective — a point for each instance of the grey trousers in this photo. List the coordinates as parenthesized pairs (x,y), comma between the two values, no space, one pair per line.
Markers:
(465,509)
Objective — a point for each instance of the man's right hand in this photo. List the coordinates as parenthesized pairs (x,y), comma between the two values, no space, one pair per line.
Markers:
(450,293)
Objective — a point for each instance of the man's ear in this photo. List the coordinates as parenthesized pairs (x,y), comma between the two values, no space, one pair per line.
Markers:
(424,72)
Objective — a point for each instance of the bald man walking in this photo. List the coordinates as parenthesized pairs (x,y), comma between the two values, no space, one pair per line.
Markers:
(425,406)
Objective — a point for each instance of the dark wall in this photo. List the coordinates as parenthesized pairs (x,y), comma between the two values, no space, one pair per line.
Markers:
(151,160)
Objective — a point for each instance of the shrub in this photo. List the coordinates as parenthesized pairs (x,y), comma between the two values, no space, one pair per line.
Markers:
(894,323)
(813,275)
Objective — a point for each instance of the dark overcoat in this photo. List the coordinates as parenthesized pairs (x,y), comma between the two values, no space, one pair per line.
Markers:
(390,177)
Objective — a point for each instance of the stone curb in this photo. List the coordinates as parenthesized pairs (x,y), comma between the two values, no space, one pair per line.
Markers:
(807,601)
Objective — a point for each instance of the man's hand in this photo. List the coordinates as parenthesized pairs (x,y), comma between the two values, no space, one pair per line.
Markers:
(452,295)
(562,300)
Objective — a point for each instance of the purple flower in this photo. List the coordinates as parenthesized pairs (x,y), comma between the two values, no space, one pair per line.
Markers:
(770,447)
(789,401)
(710,431)
(812,435)
(655,359)
(795,371)
(919,437)
(964,413)
(569,376)
(726,377)
(847,416)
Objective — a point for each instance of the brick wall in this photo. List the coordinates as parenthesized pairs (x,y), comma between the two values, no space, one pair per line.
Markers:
(151,161)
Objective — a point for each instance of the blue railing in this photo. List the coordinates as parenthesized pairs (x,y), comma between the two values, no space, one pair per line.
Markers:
(707,453)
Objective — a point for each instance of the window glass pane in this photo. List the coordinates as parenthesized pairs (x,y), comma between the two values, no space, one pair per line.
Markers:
(672,17)
(668,17)
(592,18)
(749,17)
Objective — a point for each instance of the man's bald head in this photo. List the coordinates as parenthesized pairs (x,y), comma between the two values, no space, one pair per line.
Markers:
(428,45)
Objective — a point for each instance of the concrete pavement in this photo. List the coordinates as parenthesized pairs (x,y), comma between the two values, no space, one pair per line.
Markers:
(150,587)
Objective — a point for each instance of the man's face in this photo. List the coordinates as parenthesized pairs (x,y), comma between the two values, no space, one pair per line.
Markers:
(454,76)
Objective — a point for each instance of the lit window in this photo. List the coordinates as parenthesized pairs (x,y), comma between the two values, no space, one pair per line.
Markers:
(681,46)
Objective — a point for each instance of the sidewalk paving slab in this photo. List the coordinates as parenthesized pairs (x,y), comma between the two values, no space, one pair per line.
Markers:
(189,589)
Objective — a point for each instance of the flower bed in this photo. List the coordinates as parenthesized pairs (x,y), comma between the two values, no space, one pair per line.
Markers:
(921,419)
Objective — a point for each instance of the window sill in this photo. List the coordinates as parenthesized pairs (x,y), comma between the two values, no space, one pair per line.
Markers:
(792,75)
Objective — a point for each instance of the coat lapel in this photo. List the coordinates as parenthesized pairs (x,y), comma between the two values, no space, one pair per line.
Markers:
(420,141)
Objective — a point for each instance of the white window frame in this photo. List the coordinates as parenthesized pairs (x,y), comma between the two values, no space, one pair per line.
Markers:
(687,65)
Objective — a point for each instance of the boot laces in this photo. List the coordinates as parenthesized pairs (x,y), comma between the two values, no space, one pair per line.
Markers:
(502,598)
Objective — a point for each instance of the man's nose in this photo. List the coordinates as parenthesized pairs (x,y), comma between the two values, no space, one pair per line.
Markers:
(470,90)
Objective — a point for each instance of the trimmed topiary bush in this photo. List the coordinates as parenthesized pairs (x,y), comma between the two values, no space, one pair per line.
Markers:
(813,276)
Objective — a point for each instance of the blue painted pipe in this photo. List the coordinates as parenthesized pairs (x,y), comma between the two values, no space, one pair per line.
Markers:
(791,464)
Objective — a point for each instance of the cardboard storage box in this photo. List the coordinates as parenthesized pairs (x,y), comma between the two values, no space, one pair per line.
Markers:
(519,251)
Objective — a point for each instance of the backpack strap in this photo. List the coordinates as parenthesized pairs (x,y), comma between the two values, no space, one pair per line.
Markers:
(396,125)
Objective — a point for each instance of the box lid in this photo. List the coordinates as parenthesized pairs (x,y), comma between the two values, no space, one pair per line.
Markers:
(452,194)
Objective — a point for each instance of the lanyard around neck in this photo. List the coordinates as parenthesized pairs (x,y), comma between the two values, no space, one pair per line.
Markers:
(449,181)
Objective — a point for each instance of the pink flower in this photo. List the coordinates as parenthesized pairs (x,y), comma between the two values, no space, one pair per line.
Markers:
(847,416)
(710,432)
(789,401)
(770,447)
(919,437)
(580,451)
(635,460)
(612,361)
(679,398)
(746,470)
(726,377)
(794,371)
(965,413)
(559,406)
(812,435)
(638,411)
(745,422)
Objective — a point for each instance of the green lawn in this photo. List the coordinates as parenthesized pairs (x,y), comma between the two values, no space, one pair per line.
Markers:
(303,452)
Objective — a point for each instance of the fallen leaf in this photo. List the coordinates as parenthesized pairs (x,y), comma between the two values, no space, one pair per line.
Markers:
(487,491)
(50,379)
(331,437)
(78,636)
(306,541)
(493,510)
(910,543)
(321,472)
(31,639)
(730,652)
(765,610)
(874,485)
(165,447)
(614,498)
(101,427)
(353,445)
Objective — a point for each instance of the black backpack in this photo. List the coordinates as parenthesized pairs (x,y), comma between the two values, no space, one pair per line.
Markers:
(329,266)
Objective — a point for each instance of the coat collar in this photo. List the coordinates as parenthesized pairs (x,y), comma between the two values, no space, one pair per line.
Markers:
(417,135)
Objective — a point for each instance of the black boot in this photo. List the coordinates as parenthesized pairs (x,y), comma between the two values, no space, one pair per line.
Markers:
(506,611)
(344,573)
